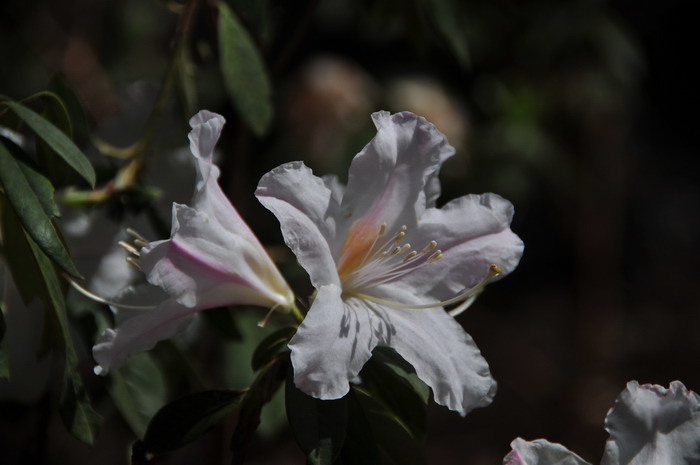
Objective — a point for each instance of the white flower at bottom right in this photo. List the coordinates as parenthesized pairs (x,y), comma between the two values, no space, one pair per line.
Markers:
(648,425)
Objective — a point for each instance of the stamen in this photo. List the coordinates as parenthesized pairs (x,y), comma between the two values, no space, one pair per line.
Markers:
(135,235)
(382,229)
(429,247)
(140,243)
(134,262)
(493,271)
(435,257)
(129,248)
(102,300)
(410,256)
(263,322)
(463,306)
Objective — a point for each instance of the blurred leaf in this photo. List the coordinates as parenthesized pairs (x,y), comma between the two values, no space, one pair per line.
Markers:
(392,388)
(272,345)
(445,15)
(79,122)
(139,391)
(393,438)
(186,81)
(243,70)
(28,208)
(260,393)
(56,139)
(319,426)
(223,322)
(4,360)
(255,13)
(184,420)
(77,414)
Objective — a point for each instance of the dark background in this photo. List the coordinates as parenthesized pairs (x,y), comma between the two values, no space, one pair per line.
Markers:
(582,113)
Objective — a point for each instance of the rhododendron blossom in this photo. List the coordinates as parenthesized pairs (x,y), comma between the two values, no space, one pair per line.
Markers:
(212,259)
(385,261)
(648,425)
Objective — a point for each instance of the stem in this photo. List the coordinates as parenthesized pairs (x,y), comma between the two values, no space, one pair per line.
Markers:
(296,313)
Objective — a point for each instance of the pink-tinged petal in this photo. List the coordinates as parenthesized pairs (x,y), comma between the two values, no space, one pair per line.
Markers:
(208,197)
(394,177)
(444,356)
(651,425)
(332,344)
(473,232)
(307,213)
(212,257)
(540,452)
(139,330)
(206,265)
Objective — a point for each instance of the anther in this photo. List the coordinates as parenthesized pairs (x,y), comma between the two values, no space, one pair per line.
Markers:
(405,248)
(382,229)
(141,243)
(435,257)
(395,251)
(135,235)
(429,247)
(410,256)
(134,262)
(129,248)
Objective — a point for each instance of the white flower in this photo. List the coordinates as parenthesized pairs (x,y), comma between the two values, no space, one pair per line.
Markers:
(211,259)
(648,425)
(384,262)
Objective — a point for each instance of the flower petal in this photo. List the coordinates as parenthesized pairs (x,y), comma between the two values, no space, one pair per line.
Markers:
(139,330)
(307,213)
(332,344)
(540,452)
(212,258)
(651,425)
(472,232)
(205,265)
(394,177)
(444,356)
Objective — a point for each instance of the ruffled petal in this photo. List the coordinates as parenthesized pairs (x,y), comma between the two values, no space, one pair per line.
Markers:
(206,265)
(394,177)
(444,356)
(332,344)
(472,232)
(139,330)
(540,452)
(651,425)
(307,213)
(212,257)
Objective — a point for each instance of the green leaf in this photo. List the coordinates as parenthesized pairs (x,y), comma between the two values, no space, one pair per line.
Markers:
(139,391)
(260,393)
(70,100)
(390,385)
(30,211)
(243,70)
(319,426)
(272,345)
(17,254)
(394,440)
(75,409)
(60,172)
(74,406)
(56,139)
(360,444)
(184,420)
(392,360)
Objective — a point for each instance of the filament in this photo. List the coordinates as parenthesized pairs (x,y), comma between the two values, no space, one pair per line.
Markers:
(102,300)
